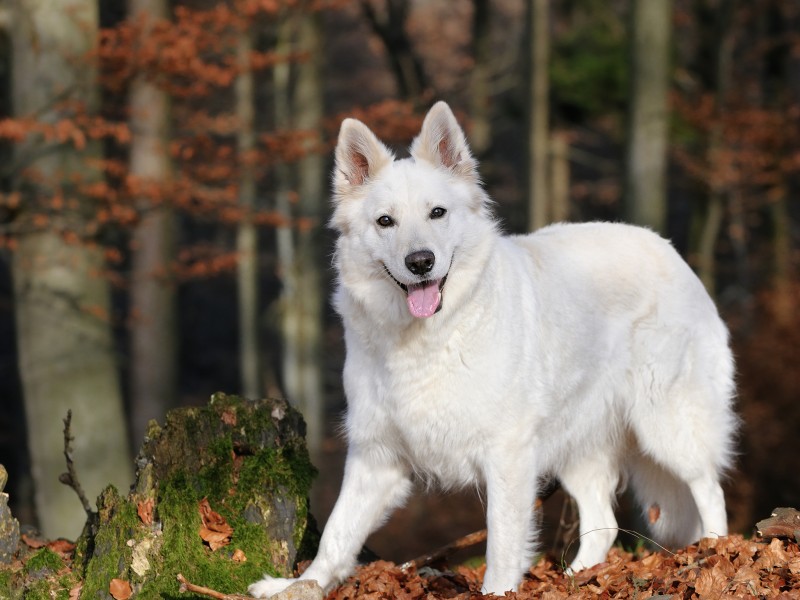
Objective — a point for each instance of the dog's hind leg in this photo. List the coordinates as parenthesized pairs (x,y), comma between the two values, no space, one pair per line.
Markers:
(666,502)
(593,484)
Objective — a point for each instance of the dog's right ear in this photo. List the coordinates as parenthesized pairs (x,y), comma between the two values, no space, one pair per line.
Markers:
(359,156)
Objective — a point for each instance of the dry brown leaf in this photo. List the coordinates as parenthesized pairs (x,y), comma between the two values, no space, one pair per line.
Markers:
(120,589)
(711,583)
(215,531)
(75,592)
(213,520)
(239,556)
(772,556)
(214,539)
(228,417)
(62,547)
(145,511)
(32,542)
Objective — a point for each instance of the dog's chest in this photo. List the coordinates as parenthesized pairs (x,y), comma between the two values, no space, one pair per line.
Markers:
(434,421)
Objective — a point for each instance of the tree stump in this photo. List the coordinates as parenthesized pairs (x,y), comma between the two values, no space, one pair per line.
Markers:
(221,495)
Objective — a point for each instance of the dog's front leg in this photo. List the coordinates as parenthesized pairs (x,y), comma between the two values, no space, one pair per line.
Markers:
(511,491)
(373,484)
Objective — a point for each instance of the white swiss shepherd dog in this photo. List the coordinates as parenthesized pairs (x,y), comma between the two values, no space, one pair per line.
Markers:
(587,352)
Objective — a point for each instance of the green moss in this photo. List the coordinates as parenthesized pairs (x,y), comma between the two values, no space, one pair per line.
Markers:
(44,561)
(5,584)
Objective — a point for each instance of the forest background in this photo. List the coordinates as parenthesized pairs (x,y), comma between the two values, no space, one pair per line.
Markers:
(164,174)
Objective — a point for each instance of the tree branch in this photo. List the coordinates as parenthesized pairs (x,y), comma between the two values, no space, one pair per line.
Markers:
(204,591)
(70,478)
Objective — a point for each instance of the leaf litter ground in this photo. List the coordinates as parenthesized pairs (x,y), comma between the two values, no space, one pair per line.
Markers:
(730,567)
(721,569)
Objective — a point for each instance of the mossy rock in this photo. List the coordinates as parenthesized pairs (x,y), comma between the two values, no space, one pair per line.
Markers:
(249,460)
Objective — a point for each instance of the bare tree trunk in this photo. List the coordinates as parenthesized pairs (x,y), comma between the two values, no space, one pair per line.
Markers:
(559,176)
(539,111)
(717,196)
(645,190)
(154,352)
(308,107)
(64,336)
(299,254)
(247,234)
(479,92)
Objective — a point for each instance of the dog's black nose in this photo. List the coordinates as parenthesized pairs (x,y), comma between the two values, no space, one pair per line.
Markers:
(420,262)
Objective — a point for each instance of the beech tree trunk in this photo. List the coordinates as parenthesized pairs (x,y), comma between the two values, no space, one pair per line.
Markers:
(64,337)
(645,187)
(539,114)
(247,234)
(302,299)
(717,192)
(154,339)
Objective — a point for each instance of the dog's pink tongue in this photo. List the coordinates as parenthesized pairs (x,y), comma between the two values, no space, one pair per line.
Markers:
(424,298)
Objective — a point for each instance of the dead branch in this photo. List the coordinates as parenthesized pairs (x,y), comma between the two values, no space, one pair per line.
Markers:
(70,478)
(441,553)
(204,591)
(468,540)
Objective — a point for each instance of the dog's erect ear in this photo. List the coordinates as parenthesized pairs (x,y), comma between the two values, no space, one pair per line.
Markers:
(359,156)
(441,141)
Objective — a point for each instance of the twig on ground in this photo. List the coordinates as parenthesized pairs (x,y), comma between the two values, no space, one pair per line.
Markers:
(463,542)
(204,591)
(468,540)
(70,478)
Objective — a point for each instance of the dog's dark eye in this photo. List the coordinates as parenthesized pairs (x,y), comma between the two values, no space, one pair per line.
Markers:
(385,221)
(438,212)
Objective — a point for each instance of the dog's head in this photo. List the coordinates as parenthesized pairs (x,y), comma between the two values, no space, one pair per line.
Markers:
(404,224)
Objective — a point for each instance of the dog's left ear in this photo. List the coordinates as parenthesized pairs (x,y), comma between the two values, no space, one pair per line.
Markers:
(441,141)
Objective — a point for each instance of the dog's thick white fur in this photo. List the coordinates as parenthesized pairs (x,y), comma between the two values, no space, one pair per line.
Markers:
(588,352)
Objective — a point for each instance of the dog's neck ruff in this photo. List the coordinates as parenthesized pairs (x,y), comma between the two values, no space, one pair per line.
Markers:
(423,299)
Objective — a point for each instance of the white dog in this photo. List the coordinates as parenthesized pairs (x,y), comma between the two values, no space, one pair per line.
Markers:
(587,352)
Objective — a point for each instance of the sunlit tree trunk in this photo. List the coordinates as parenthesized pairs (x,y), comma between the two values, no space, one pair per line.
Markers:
(645,188)
(302,299)
(154,347)
(64,337)
(539,114)
(247,234)
(308,107)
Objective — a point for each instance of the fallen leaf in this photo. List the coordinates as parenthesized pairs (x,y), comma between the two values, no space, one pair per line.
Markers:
(215,539)
(75,592)
(229,417)
(62,547)
(32,542)
(215,531)
(238,556)
(213,520)
(145,511)
(120,589)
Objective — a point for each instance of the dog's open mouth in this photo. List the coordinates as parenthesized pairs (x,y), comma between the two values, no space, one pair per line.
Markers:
(424,299)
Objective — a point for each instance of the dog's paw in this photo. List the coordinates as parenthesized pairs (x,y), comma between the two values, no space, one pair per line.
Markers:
(269,586)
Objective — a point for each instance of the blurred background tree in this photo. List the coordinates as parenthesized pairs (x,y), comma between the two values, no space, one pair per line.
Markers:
(169,185)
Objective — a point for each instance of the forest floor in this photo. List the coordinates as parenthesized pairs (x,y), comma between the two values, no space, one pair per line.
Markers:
(731,567)
(720,569)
